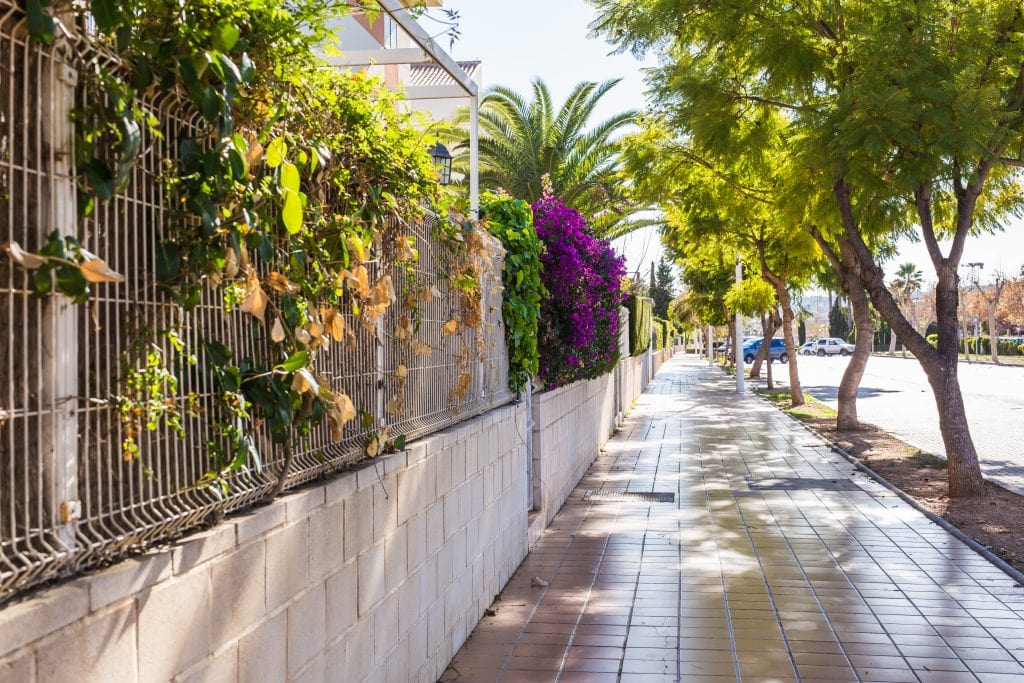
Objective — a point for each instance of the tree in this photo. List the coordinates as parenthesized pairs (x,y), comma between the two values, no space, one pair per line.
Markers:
(523,139)
(907,282)
(838,323)
(891,103)
(663,287)
(990,297)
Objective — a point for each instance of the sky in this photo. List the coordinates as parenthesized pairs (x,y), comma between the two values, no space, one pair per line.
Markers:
(550,39)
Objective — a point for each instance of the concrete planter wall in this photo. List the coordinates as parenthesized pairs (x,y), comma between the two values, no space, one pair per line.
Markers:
(366,576)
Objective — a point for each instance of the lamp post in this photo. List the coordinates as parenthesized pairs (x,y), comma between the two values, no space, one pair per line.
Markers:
(442,162)
(737,335)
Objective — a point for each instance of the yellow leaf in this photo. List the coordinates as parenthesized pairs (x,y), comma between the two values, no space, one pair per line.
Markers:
(373,446)
(97,270)
(401,372)
(383,292)
(277,331)
(450,327)
(405,250)
(315,329)
(279,283)
(356,251)
(346,411)
(255,298)
(25,259)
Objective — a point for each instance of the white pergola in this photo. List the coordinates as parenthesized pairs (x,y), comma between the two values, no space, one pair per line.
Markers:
(426,50)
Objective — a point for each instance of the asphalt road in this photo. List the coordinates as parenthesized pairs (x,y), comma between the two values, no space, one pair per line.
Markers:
(895,396)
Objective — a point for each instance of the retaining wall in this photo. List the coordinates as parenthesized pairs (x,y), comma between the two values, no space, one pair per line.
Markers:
(368,575)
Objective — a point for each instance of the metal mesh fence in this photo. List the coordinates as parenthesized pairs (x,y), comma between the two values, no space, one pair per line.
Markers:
(69,500)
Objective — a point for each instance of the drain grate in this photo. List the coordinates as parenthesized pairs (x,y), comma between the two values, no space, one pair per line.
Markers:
(803,484)
(629,497)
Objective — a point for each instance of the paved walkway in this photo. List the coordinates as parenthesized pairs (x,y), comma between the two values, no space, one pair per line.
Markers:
(775,562)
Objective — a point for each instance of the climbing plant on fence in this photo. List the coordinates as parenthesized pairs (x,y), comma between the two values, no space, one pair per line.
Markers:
(511,221)
(579,321)
(293,192)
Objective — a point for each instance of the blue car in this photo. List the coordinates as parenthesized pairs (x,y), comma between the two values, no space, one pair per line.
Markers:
(776,351)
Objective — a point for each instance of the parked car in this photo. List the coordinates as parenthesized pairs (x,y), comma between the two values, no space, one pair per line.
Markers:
(808,348)
(776,350)
(831,346)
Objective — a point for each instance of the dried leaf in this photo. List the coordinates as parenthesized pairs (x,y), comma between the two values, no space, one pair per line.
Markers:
(405,250)
(279,283)
(383,291)
(450,327)
(304,382)
(231,263)
(277,331)
(303,337)
(404,329)
(394,407)
(255,298)
(25,259)
(401,372)
(373,446)
(97,270)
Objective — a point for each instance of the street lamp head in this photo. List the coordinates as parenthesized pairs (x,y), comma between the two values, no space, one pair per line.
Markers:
(442,162)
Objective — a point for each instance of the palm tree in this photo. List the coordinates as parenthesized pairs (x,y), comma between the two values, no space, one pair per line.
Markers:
(908,280)
(522,140)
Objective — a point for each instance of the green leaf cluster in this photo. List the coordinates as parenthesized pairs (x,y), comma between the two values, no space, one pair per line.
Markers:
(641,310)
(511,221)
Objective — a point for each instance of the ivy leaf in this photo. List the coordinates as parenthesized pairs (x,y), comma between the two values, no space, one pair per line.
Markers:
(275,152)
(248,69)
(41,25)
(98,177)
(255,299)
(296,361)
(225,36)
(210,108)
(231,72)
(72,283)
(291,212)
(217,352)
(107,14)
(289,177)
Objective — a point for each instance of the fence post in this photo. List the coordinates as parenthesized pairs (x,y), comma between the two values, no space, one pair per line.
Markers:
(59,343)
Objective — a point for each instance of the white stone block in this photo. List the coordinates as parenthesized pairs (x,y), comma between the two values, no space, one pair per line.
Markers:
(25,622)
(262,653)
(238,593)
(385,507)
(97,649)
(197,548)
(370,566)
(359,652)
(385,624)
(358,523)
(165,648)
(396,559)
(435,527)
(417,540)
(342,600)
(221,667)
(128,577)
(326,540)
(287,564)
(306,629)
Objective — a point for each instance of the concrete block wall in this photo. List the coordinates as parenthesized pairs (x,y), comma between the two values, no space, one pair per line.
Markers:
(570,424)
(377,575)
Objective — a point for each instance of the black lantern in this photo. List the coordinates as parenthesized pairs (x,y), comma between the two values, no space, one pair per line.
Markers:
(442,162)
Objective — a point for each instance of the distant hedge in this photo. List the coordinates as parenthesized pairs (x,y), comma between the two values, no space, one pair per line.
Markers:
(640,314)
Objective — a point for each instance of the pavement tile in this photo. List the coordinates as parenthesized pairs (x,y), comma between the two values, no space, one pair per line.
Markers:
(731,580)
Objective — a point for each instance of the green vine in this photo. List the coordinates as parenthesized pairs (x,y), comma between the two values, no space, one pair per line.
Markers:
(292,190)
(511,221)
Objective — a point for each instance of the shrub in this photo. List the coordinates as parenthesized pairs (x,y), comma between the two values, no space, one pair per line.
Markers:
(511,221)
(579,323)
(659,334)
(933,339)
(640,311)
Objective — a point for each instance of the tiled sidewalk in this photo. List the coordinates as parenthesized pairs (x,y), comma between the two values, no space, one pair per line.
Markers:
(776,562)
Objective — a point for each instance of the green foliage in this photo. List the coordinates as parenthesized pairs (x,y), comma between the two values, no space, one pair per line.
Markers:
(296,177)
(640,314)
(838,321)
(751,297)
(663,287)
(523,140)
(511,221)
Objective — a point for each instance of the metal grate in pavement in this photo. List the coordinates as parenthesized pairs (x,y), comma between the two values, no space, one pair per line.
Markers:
(629,497)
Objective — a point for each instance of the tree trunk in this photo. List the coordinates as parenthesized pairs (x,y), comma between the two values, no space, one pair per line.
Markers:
(939,364)
(769,332)
(847,410)
(892,343)
(993,333)
(963,328)
(796,392)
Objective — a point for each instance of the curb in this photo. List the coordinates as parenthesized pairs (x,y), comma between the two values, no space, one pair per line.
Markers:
(999,562)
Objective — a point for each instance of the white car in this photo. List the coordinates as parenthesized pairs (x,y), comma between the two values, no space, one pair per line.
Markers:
(831,346)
